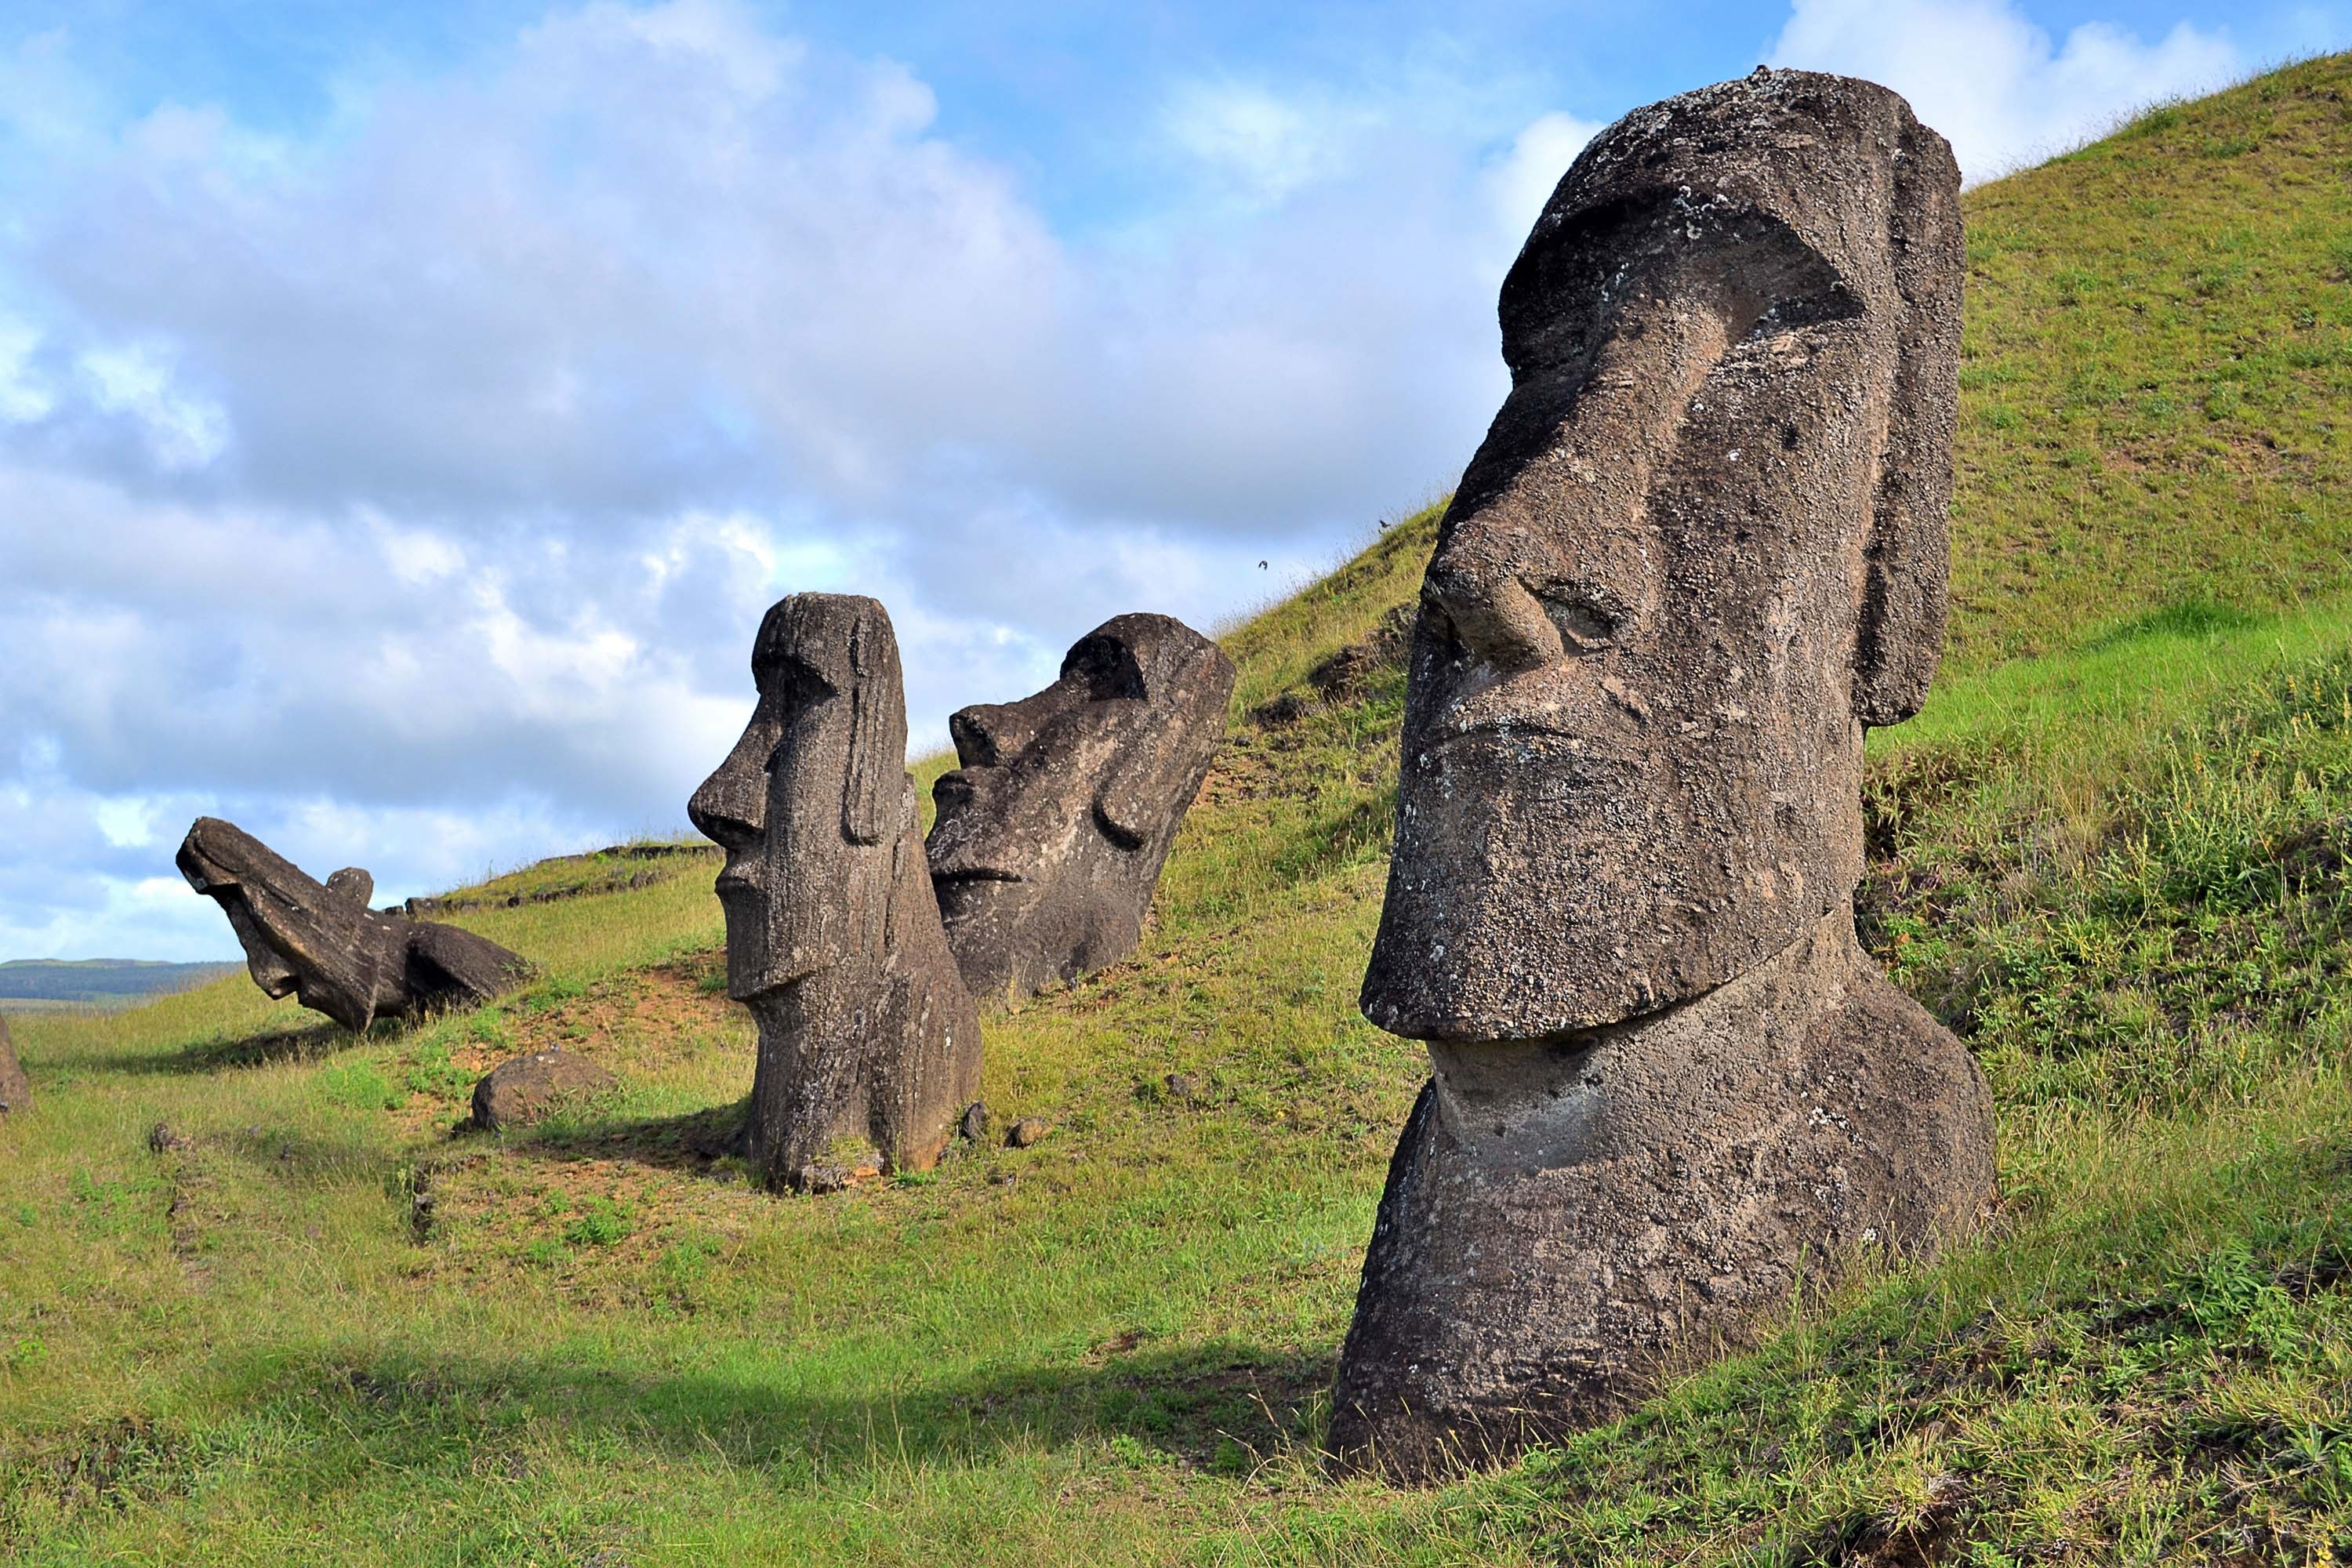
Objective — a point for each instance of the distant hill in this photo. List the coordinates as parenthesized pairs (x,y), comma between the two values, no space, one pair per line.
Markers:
(30,984)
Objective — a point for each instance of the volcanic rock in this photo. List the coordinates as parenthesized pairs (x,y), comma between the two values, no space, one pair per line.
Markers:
(1051,835)
(523,1090)
(1703,545)
(833,941)
(320,943)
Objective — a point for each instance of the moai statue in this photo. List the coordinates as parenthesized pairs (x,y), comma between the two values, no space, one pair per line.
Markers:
(320,940)
(868,1037)
(1704,545)
(16,1090)
(1050,837)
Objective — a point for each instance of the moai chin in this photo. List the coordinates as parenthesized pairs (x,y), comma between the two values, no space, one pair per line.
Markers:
(868,1037)
(1704,545)
(319,941)
(1051,835)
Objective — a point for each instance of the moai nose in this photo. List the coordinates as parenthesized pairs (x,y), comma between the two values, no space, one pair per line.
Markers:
(731,808)
(1478,583)
(988,734)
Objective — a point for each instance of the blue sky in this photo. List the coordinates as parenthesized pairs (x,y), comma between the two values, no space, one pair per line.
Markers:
(405,413)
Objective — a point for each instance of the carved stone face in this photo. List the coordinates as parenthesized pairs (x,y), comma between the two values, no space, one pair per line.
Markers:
(1051,835)
(318,941)
(1699,549)
(808,803)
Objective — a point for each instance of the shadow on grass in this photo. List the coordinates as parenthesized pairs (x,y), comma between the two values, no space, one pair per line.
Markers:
(276,1048)
(692,1142)
(1220,1407)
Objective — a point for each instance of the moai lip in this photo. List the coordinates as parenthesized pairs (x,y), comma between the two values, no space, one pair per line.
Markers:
(320,942)
(1051,835)
(866,1033)
(1703,545)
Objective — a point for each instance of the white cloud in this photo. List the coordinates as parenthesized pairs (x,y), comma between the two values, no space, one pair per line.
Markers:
(1260,144)
(1520,182)
(410,493)
(23,398)
(181,430)
(2001,90)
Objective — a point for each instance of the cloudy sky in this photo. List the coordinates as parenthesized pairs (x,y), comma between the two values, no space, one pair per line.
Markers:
(406,412)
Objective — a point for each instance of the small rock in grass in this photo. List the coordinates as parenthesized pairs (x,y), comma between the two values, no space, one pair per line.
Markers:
(821,1179)
(974,1125)
(1181,1085)
(1027,1131)
(523,1091)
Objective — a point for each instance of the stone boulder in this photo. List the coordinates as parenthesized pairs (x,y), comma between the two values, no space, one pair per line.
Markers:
(523,1090)
(320,943)
(1051,835)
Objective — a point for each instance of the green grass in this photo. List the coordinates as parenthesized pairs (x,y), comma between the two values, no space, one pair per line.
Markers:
(2158,352)
(2110,853)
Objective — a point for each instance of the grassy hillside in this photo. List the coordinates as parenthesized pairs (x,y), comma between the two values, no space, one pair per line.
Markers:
(2111,855)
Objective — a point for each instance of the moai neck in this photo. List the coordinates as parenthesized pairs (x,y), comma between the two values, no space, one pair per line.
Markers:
(1686,1076)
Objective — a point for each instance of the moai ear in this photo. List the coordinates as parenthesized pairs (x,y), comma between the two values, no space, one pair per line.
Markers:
(1906,562)
(1123,804)
(875,769)
(354,884)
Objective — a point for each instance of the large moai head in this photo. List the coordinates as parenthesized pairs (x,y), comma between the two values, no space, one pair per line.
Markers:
(1051,835)
(320,942)
(1701,546)
(315,941)
(809,804)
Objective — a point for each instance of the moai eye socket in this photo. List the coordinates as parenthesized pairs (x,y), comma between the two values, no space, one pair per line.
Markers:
(1588,618)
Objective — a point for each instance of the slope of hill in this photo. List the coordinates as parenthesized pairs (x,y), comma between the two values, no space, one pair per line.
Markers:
(27,984)
(2110,853)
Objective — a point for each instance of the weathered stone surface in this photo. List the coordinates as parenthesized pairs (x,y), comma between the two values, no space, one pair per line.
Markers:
(1565,1218)
(523,1090)
(1703,545)
(1050,836)
(320,940)
(866,1034)
(16,1090)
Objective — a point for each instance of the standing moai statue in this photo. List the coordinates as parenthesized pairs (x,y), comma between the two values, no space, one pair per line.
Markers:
(1051,835)
(868,1037)
(1704,545)
(320,943)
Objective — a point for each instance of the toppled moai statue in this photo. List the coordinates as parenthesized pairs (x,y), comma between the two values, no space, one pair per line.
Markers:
(320,940)
(1051,835)
(1703,545)
(16,1090)
(866,1034)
